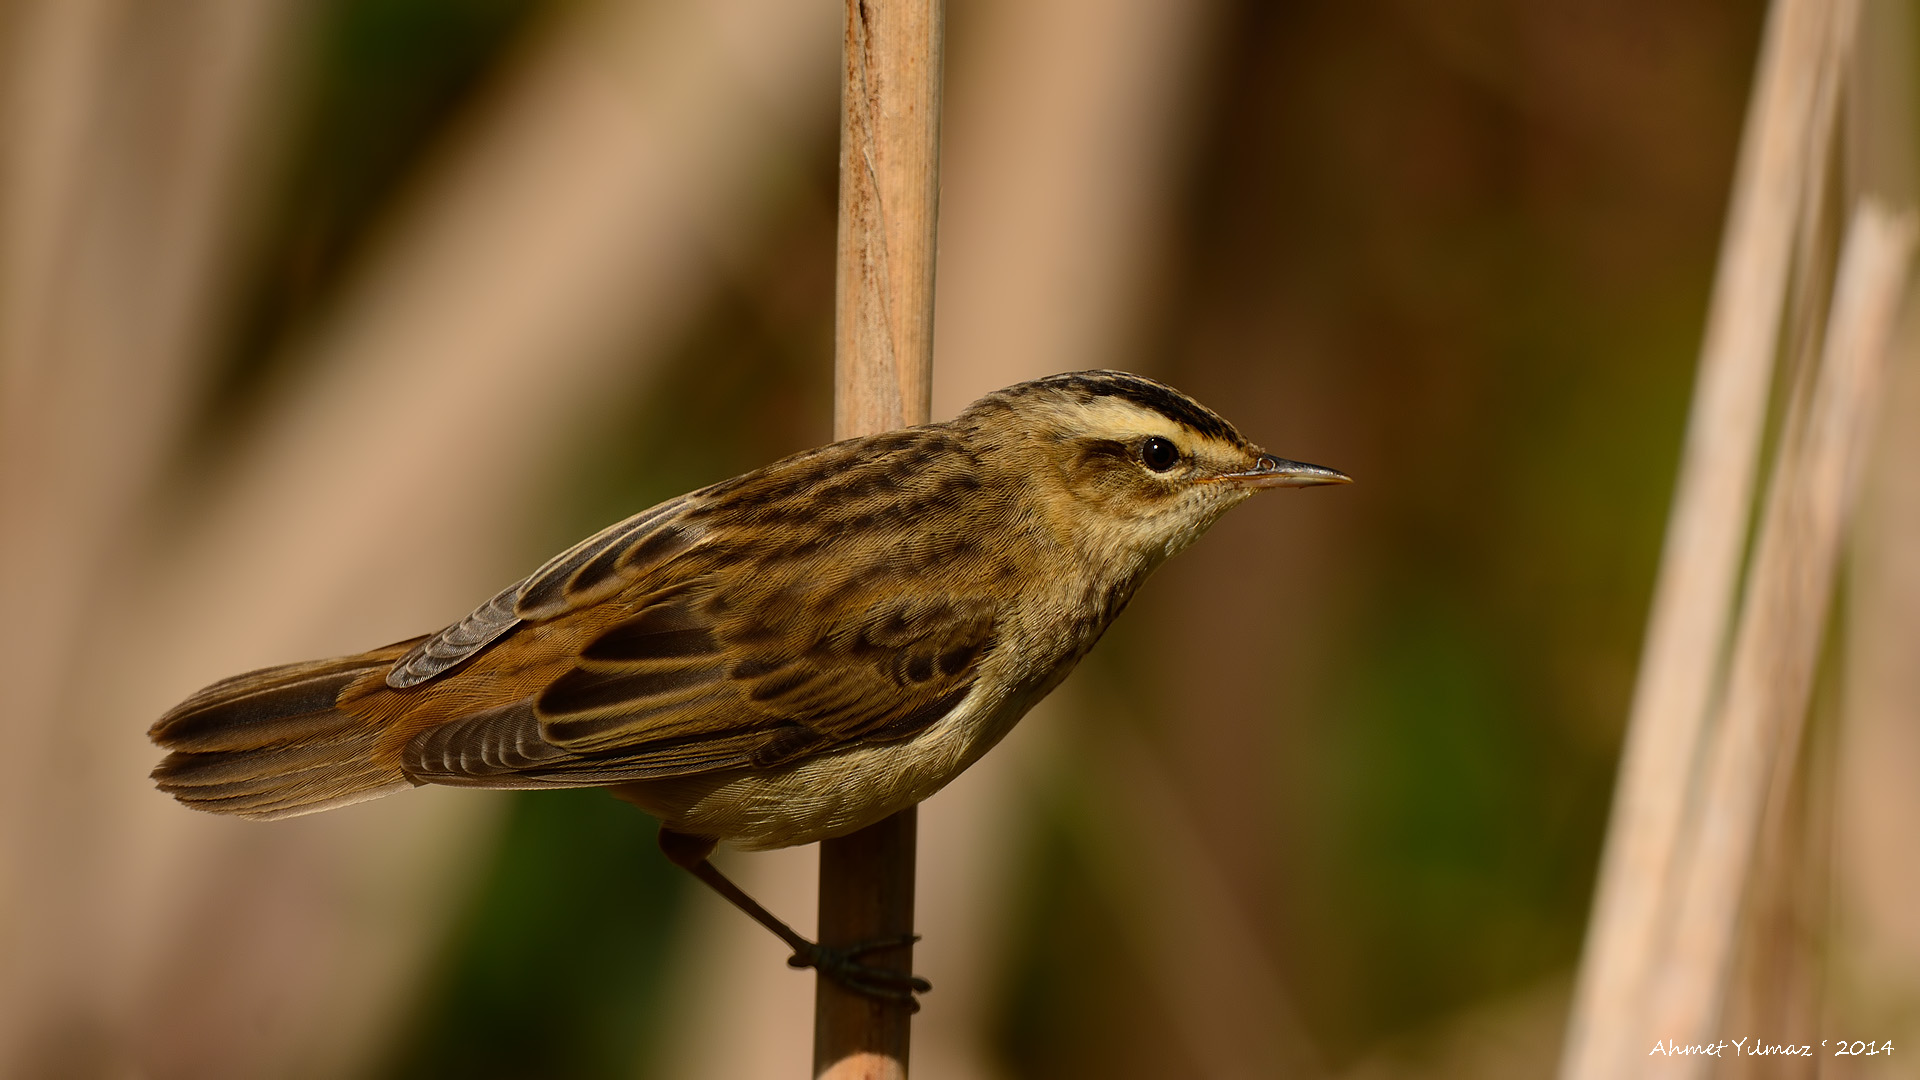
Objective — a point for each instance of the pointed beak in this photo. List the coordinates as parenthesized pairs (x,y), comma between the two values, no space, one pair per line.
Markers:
(1274,472)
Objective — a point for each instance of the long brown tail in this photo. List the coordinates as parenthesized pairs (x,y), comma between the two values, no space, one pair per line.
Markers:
(271,744)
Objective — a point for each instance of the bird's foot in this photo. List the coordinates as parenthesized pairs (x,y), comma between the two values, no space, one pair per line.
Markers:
(843,966)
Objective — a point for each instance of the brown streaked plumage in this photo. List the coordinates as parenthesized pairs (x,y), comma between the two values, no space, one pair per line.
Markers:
(775,659)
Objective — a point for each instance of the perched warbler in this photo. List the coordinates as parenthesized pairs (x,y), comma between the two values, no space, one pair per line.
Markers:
(775,659)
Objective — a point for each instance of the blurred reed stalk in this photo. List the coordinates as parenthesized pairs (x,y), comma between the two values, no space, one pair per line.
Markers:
(1789,590)
(883,379)
(549,243)
(1728,671)
(1225,1001)
(114,260)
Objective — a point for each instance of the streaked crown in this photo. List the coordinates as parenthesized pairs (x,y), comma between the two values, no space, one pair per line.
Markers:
(1081,395)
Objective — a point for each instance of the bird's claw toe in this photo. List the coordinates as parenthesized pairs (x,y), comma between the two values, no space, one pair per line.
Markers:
(843,966)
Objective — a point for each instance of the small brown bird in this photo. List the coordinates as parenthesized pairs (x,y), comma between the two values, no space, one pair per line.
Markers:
(779,658)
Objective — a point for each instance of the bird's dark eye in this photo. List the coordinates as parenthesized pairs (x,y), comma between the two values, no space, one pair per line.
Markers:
(1159,454)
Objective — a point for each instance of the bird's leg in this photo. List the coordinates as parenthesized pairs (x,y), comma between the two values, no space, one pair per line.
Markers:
(842,965)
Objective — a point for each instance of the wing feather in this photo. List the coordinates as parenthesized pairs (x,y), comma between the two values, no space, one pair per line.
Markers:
(595,567)
(746,625)
(578,576)
(450,647)
(858,669)
(506,748)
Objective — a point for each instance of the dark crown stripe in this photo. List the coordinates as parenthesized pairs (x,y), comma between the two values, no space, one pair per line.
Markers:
(1147,394)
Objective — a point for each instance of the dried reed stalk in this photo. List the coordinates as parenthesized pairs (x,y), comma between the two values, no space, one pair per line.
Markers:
(1790,588)
(1871,938)
(1661,953)
(883,379)
(889,202)
(1695,594)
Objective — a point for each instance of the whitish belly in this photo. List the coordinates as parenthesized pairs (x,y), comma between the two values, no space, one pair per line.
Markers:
(829,795)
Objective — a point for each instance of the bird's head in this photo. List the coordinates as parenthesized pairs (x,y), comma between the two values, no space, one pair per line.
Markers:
(1131,468)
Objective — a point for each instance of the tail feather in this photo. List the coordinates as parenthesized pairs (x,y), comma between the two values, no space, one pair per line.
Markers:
(237,772)
(272,744)
(269,705)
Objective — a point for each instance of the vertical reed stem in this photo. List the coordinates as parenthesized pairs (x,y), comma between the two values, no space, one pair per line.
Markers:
(883,366)
(1695,595)
(1777,643)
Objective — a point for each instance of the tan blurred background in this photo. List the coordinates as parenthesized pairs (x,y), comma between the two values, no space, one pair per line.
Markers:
(320,320)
